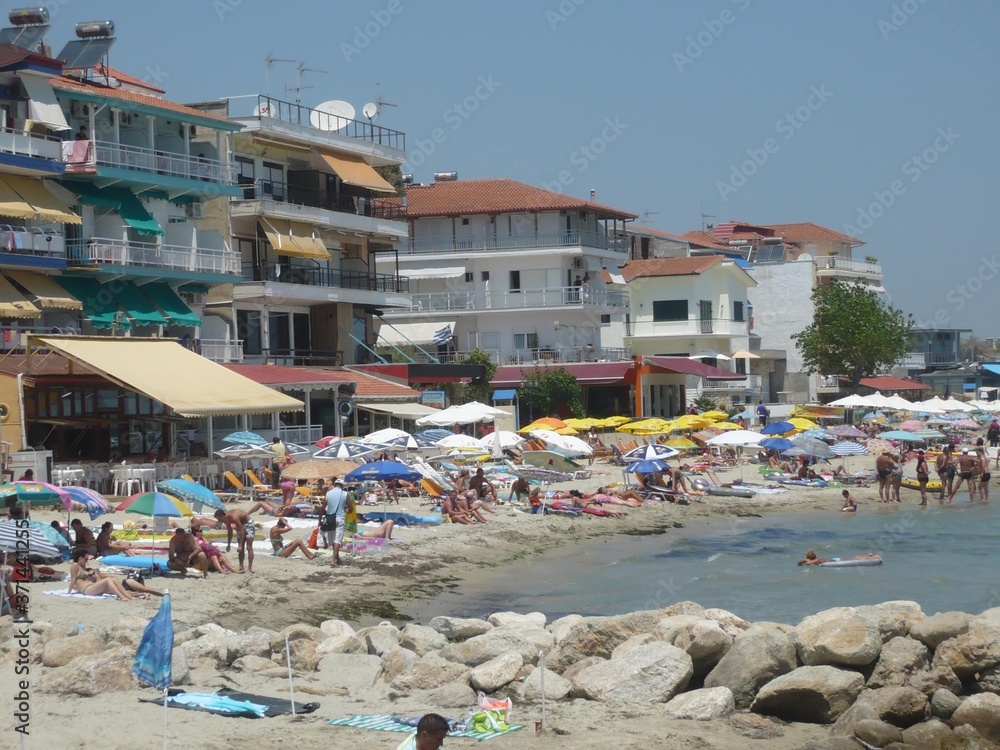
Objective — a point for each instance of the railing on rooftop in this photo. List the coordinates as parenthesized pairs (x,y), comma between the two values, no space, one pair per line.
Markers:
(296,114)
(562,239)
(522,298)
(116,252)
(282,192)
(848,265)
(747,382)
(325,277)
(121,156)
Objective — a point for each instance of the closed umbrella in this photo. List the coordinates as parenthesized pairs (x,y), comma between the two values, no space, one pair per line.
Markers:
(198,495)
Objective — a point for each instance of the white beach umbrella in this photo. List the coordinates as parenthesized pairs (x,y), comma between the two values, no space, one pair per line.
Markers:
(459,441)
(847,448)
(895,401)
(849,401)
(388,435)
(953,404)
(876,401)
(507,439)
(651,452)
(736,438)
(564,442)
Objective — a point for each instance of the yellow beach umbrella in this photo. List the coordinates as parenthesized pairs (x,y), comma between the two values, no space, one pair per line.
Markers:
(690,422)
(567,430)
(714,415)
(655,424)
(801,423)
(726,426)
(616,421)
(682,444)
(581,424)
(545,423)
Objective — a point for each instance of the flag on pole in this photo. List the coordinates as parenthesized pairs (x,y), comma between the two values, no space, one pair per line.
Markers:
(442,337)
(155,653)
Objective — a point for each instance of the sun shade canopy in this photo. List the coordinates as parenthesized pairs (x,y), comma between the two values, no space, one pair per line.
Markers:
(45,205)
(138,306)
(356,171)
(13,205)
(122,200)
(171,304)
(294,238)
(165,371)
(42,103)
(408,334)
(99,303)
(405,410)
(48,294)
(13,304)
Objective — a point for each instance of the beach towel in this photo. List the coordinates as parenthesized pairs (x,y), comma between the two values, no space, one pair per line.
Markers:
(384,723)
(78,595)
(226,702)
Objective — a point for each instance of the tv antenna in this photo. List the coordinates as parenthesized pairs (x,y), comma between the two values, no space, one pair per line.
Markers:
(647,214)
(379,103)
(704,225)
(298,88)
(268,62)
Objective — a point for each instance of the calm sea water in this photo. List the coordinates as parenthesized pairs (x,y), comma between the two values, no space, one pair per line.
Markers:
(942,557)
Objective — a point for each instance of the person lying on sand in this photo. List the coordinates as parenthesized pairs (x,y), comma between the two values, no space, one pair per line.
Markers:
(286,550)
(604,496)
(89,582)
(195,522)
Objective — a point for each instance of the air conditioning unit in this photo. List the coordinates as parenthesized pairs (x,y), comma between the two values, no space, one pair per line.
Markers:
(577,262)
(195,210)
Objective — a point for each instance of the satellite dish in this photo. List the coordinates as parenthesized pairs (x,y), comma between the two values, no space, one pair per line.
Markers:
(262,110)
(332,115)
(804,257)
(370,110)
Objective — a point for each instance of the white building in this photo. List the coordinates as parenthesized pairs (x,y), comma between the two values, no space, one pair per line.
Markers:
(507,268)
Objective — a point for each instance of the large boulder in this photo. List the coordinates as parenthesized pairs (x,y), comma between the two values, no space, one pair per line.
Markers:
(430,673)
(238,645)
(251,664)
(933,630)
(848,721)
(902,706)
(351,672)
(838,637)
(86,676)
(944,703)
(459,628)
(988,681)
(927,681)
(600,636)
(732,624)
(556,687)
(877,733)
(395,662)
(517,620)
(59,652)
(988,618)
(889,621)
(931,735)
(705,642)
(180,672)
(634,642)
(342,644)
(452,695)
(561,628)
(701,705)
(756,657)
(524,641)
(585,663)
(296,632)
(303,653)
(975,651)
(337,628)
(207,646)
(816,695)
(421,639)
(900,659)
(380,639)
(496,673)
(647,674)
(668,628)
(981,711)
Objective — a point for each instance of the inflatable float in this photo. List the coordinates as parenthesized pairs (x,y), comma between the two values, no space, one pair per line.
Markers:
(913,484)
(402,519)
(714,489)
(864,562)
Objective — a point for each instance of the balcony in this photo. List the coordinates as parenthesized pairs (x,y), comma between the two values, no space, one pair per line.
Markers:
(913,361)
(27,246)
(324,277)
(298,357)
(828,383)
(136,159)
(751,383)
(492,244)
(31,145)
(103,251)
(519,300)
(302,435)
(834,265)
(220,350)
(266,108)
(687,328)
(299,199)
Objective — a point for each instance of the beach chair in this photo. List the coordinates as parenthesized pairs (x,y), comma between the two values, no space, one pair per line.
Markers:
(241,489)
(260,487)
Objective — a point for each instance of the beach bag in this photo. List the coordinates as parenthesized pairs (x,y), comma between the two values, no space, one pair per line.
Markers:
(327,522)
(504,706)
(313,540)
(488,721)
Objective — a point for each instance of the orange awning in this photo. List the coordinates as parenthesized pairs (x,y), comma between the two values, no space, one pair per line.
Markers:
(356,171)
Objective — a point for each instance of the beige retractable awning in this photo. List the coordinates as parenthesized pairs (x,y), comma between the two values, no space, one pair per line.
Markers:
(47,206)
(294,238)
(48,294)
(356,171)
(409,410)
(13,205)
(13,304)
(165,371)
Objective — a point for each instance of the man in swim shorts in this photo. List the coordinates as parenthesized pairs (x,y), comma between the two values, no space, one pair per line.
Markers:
(884,465)
(967,465)
(945,467)
(246,530)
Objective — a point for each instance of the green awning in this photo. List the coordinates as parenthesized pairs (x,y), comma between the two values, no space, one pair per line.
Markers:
(122,200)
(99,302)
(171,304)
(138,306)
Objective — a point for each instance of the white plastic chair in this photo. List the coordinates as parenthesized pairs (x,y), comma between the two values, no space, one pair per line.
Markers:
(127,480)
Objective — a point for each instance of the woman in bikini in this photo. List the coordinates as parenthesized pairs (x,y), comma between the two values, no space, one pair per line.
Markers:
(215,558)
(285,550)
(89,582)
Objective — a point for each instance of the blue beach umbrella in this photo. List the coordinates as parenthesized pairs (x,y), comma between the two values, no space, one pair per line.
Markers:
(847,448)
(198,495)
(95,504)
(154,657)
(777,444)
(382,471)
(777,428)
(646,466)
(249,438)
(902,435)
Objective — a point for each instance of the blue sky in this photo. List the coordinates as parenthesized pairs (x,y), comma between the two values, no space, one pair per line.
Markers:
(878,118)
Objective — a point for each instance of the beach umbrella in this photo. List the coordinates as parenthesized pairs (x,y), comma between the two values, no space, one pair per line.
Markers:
(348,448)
(543,423)
(966,424)
(36,493)
(930,434)
(318,469)
(902,436)
(506,439)
(294,449)
(431,436)
(246,438)
(873,416)
(736,438)
(847,448)
(28,541)
(746,414)
(459,441)
(614,421)
(155,504)
(541,475)
(895,401)
(95,504)
(714,414)
(777,428)
(646,467)
(777,444)
(953,404)
(651,452)
(801,423)
(811,447)
(385,436)
(911,425)
(382,471)
(198,495)
(582,424)
(848,431)
(652,425)
(682,444)
(849,401)
(726,426)
(819,434)
(571,445)
(244,450)
(690,422)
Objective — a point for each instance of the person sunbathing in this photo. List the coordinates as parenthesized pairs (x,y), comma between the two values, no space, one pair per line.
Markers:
(267,508)
(774,463)
(183,552)
(212,553)
(89,582)
(605,497)
(195,522)
(107,545)
(451,510)
(382,532)
(135,583)
(286,550)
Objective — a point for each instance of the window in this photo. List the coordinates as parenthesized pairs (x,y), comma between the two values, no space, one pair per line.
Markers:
(485,276)
(279,336)
(670,309)
(248,330)
(245,174)
(644,247)
(465,221)
(515,281)
(273,180)
(606,319)
(525,340)
(741,366)
(738,312)
(469,276)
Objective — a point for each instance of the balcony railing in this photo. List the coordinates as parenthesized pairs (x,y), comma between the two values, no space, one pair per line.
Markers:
(26,143)
(103,251)
(524,298)
(485,244)
(276,109)
(299,357)
(828,382)
(696,327)
(121,156)
(303,435)
(913,360)
(750,382)
(567,354)
(36,241)
(848,265)
(326,277)
(282,192)
(220,350)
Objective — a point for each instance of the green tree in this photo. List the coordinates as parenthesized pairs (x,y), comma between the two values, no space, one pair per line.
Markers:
(854,333)
(551,390)
(393,174)
(478,389)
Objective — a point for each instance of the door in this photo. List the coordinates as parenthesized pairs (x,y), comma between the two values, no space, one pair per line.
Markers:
(705,315)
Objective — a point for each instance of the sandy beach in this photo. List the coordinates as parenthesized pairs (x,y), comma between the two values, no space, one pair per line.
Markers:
(393,584)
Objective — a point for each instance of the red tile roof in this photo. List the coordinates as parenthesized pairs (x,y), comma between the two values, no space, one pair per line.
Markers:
(807,231)
(691,266)
(703,239)
(495,196)
(10,54)
(63,83)
(893,384)
(688,239)
(369,386)
(124,77)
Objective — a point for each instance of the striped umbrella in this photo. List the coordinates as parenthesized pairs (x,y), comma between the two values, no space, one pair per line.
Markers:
(197,494)
(28,541)
(847,431)
(36,493)
(155,504)
(847,448)
(95,504)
